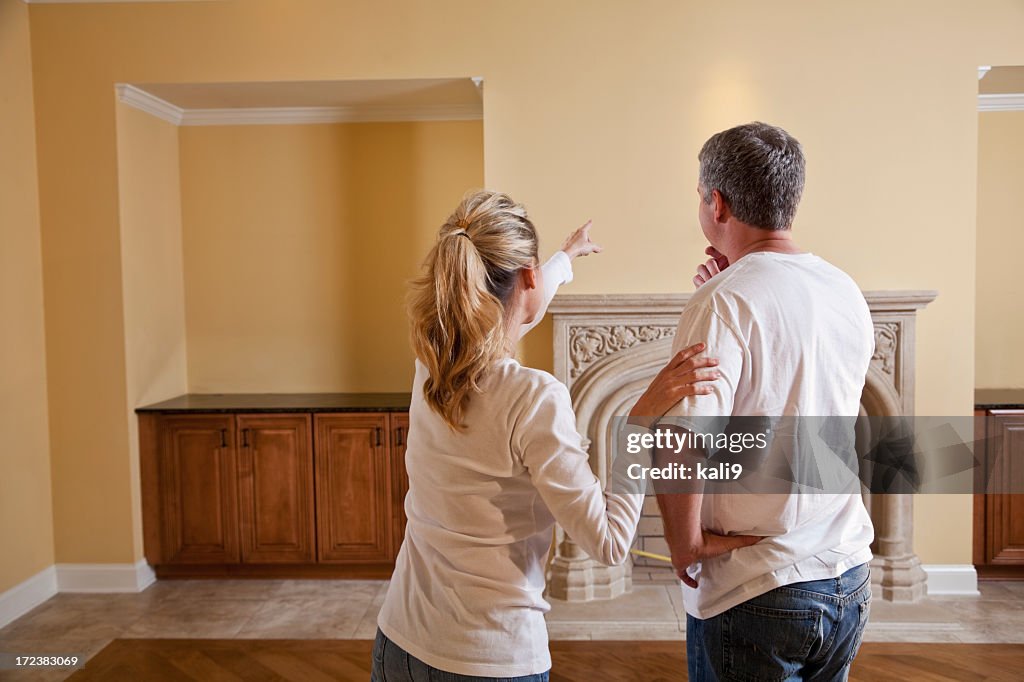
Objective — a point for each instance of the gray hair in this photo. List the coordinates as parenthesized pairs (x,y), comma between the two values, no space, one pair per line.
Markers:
(759,171)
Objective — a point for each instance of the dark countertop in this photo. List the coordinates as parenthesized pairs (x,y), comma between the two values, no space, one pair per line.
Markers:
(984,399)
(999,398)
(282,402)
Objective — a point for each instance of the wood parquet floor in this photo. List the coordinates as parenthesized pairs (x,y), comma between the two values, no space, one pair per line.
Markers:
(179,660)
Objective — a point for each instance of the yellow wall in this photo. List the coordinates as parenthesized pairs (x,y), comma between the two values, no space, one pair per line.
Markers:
(26,523)
(151,267)
(592,110)
(299,240)
(85,340)
(999,355)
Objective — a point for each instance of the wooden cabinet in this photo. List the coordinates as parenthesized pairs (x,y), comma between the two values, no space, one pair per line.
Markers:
(999,518)
(399,476)
(198,494)
(273,494)
(275,488)
(354,488)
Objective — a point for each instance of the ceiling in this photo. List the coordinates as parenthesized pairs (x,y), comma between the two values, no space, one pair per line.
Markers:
(1002,80)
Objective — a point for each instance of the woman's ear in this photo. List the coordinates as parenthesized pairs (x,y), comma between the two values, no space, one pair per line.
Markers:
(528,278)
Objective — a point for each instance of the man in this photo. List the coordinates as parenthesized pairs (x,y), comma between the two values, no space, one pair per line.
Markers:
(793,336)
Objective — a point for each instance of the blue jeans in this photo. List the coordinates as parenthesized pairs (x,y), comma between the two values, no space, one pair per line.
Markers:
(392,663)
(803,631)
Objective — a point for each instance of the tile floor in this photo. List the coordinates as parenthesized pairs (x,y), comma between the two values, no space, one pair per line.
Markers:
(318,609)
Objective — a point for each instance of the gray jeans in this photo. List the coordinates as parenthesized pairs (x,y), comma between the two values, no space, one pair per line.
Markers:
(392,663)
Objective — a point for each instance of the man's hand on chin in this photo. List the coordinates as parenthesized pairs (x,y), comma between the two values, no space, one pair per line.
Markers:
(710,545)
(711,267)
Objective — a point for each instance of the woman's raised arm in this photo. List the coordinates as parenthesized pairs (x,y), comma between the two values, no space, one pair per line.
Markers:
(558,269)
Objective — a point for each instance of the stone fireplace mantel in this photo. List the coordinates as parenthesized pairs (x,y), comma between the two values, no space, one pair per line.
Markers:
(607,348)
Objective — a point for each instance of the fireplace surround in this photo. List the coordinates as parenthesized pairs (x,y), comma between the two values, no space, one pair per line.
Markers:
(607,348)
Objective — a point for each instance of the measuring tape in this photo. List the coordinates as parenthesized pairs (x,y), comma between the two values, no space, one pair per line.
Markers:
(651,555)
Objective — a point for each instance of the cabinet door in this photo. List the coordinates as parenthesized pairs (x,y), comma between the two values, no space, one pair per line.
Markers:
(353,488)
(198,480)
(399,477)
(275,488)
(1005,513)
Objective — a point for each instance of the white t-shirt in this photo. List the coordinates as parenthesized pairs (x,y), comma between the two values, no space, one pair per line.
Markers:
(466,595)
(794,337)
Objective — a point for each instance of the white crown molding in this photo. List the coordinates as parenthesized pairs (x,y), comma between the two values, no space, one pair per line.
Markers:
(104,577)
(959,579)
(28,594)
(151,104)
(1001,102)
(101,2)
(301,115)
(162,109)
(983,71)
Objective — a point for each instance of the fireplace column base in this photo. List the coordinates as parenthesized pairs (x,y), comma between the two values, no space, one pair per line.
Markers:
(896,573)
(577,577)
(898,579)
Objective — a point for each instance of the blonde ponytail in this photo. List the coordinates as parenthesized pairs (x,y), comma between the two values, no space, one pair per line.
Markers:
(457,306)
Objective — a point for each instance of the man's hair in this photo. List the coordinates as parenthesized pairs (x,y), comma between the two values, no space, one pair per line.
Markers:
(759,171)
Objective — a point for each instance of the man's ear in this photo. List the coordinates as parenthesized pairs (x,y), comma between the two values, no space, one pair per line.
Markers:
(528,278)
(719,207)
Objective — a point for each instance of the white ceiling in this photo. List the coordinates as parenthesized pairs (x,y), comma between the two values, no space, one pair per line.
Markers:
(1002,80)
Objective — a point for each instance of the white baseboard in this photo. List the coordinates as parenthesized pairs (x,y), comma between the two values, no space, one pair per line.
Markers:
(104,577)
(28,594)
(960,579)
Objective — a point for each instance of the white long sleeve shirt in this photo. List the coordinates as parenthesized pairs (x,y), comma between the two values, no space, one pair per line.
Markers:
(467,592)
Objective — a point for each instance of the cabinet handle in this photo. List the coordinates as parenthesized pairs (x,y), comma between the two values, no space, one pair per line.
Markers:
(398,437)
(223,438)
(245,438)
(377,430)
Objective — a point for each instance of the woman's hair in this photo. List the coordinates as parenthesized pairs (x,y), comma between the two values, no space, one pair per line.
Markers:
(457,306)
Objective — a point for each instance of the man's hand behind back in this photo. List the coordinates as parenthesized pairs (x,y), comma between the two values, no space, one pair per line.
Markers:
(709,545)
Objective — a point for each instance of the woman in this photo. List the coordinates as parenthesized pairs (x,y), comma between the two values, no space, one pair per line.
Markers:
(494,459)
